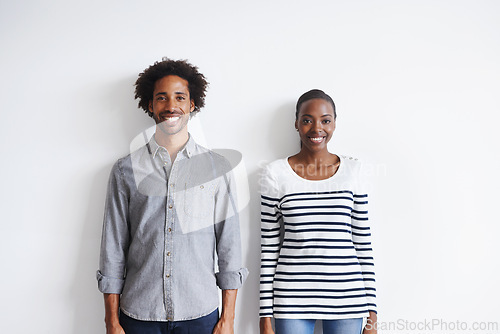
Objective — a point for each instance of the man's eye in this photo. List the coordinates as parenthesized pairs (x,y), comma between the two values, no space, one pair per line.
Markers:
(327,121)
(160,98)
(181,98)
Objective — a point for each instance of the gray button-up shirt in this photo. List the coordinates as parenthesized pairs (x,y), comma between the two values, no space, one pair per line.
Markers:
(165,224)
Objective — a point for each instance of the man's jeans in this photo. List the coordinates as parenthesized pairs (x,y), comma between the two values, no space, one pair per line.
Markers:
(203,325)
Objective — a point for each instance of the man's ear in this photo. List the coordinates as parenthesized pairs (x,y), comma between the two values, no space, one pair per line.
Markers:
(297,125)
(150,107)
(192,106)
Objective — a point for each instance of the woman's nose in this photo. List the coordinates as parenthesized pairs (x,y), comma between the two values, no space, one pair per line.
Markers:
(317,126)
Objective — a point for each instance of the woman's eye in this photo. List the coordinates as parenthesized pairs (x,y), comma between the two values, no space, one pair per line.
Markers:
(327,121)
(305,121)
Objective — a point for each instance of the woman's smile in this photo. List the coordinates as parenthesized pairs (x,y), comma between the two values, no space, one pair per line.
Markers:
(317,140)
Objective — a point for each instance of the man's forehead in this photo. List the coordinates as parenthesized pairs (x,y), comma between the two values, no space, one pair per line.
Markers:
(173,82)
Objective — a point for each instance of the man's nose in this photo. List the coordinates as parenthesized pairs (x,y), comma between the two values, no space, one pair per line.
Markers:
(170,104)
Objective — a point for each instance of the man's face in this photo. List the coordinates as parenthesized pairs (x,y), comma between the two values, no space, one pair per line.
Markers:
(171,105)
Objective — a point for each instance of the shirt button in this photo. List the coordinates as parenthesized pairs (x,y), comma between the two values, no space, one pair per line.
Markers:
(168,254)
(168,275)
(201,187)
(170,206)
(170,229)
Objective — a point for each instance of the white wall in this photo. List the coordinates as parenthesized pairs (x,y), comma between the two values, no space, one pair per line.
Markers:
(416,85)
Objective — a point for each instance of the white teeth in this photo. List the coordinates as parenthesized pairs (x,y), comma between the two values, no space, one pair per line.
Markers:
(171,119)
(317,139)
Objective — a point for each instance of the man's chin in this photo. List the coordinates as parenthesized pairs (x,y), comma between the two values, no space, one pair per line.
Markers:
(168,129)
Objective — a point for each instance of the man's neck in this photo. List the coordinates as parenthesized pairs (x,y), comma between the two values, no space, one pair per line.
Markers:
(173,143)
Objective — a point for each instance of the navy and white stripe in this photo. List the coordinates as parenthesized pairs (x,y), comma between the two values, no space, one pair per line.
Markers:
(316,255)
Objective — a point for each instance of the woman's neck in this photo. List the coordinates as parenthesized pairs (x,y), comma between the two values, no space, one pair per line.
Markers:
(314,165)
(313,158)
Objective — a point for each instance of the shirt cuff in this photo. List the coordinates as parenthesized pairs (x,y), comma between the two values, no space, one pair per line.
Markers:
(108,284)
(230,280)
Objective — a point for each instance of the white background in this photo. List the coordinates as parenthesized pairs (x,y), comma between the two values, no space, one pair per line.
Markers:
(416,85)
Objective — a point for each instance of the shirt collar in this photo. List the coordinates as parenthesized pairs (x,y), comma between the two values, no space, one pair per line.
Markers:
(187,150)
(190,147)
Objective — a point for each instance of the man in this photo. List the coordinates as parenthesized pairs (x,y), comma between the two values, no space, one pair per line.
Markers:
(170,207)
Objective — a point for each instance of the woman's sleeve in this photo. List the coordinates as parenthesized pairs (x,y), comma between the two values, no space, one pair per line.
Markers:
(361,236)
(270,240)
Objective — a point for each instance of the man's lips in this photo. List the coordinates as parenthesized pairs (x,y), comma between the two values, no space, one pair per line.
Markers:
(170,117)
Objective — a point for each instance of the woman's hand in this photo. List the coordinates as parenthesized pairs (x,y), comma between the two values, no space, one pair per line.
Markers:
(265,326)
(371,324)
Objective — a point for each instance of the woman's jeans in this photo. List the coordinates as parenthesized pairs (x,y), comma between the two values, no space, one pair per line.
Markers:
(203,325)
(306,326)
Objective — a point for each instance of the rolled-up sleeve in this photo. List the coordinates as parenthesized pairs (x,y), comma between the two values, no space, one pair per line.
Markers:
(231,279)
(108,284)
(115,235)
(231,273)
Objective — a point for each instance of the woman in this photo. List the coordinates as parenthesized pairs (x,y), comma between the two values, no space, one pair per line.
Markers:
(316,258)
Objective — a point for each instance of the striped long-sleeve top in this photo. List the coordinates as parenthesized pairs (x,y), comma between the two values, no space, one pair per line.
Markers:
(316,253)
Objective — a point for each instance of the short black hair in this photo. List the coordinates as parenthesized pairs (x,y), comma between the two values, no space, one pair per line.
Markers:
(314,94)
(145,84)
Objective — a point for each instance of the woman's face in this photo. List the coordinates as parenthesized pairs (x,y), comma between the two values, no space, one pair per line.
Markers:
(316,124)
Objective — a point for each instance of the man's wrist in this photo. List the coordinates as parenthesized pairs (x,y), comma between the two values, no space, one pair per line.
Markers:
(228,305)
(227,316)
(112,321)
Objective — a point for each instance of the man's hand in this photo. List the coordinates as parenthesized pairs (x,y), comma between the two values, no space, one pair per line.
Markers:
(265,326)
(114,329)
(371,324)
(224,327)
(112,306)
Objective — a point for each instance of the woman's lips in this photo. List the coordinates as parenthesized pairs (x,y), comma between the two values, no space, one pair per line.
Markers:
(316,140)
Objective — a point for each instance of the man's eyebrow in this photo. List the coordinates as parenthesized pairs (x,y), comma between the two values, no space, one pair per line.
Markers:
(165,93)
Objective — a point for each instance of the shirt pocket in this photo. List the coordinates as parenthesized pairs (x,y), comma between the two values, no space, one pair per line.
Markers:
(199,200)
